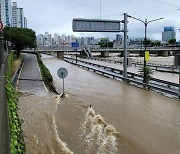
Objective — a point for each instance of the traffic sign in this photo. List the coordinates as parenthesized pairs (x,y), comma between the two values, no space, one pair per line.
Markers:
(74,44)
(96,25)
(62,73)
(1,25)
(146,55)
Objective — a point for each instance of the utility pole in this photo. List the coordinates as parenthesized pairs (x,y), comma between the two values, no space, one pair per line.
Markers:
(125,47)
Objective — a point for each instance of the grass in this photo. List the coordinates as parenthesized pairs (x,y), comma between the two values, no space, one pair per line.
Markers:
(46,75)
(16,135)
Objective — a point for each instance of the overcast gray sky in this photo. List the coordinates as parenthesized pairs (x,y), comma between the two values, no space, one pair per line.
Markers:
(55,16)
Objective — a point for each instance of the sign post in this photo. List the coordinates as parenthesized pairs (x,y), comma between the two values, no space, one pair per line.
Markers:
(75,45)
(62,73)
(99,25)
(125,47)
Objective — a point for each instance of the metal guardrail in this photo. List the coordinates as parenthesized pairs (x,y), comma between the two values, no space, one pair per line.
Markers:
(162,68)
(155,84)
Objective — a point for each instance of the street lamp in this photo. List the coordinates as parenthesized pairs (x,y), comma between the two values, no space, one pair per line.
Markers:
(145,39)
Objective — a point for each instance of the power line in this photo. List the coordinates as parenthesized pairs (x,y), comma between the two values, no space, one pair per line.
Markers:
(91,5)
(167,4)
(154,13)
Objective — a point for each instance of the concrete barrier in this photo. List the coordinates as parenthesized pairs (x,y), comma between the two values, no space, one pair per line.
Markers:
(4,120)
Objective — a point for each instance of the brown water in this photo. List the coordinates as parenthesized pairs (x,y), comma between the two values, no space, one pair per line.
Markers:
(143,122)
(39,129)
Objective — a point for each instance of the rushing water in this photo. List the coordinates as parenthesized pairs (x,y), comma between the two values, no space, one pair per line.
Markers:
(122,119)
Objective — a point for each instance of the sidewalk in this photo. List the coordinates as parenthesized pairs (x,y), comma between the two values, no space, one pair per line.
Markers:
(30,77)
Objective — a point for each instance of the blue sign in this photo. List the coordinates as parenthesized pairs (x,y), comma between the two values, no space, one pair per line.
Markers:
(74,44)
(169,28)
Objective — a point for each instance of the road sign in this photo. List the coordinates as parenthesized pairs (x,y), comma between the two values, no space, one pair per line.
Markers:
(74,44)
(146,55)
(1,26)
(96,25)
(62,73)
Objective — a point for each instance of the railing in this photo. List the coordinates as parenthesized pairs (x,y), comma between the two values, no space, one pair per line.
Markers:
(158,67)
(162,86)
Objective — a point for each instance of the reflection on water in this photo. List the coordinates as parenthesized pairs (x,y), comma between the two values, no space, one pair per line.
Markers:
(146,122)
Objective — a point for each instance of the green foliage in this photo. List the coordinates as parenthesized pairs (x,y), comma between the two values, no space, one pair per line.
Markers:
(9,65)
(147,72)
(46,75)
(147,42)
(21,38)
(156,43)
(172,41)
(106,44)
(16,137)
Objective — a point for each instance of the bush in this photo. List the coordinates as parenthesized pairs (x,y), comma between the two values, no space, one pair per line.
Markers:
(16,136)
(147,72)
(46,75)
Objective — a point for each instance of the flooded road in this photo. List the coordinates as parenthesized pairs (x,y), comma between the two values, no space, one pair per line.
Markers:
(171,77)
(36,108)
(146,122)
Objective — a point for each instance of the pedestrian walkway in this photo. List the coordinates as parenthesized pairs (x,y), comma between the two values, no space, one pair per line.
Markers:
(30,79)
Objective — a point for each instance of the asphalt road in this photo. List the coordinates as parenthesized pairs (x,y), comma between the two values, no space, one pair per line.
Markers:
(30,77)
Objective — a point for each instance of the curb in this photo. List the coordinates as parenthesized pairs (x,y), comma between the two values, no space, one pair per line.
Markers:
(16,74)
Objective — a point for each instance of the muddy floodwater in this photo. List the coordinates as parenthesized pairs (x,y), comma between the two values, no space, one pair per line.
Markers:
(122,119)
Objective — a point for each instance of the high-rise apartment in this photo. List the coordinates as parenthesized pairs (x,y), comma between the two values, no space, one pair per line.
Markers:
(6,12)
(168,34)
(18,19)
(25,22)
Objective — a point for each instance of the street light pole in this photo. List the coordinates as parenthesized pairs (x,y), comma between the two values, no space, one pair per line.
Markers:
(145,40)
(145,46)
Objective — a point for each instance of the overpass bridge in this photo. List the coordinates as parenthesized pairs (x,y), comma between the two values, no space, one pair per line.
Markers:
(105,51)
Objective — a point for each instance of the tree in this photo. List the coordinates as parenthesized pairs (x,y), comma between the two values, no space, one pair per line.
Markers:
(172,41)
(147,72)
(148,42)
(21,38)
(106,44)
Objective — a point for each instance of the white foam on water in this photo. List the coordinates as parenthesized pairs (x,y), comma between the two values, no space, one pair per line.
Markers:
(97,134)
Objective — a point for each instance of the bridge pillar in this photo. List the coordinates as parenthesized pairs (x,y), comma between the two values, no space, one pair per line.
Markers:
(60,55)
(83,55)
(122,54)
(104,53)
(141,54)
(177,60)
(163,53)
